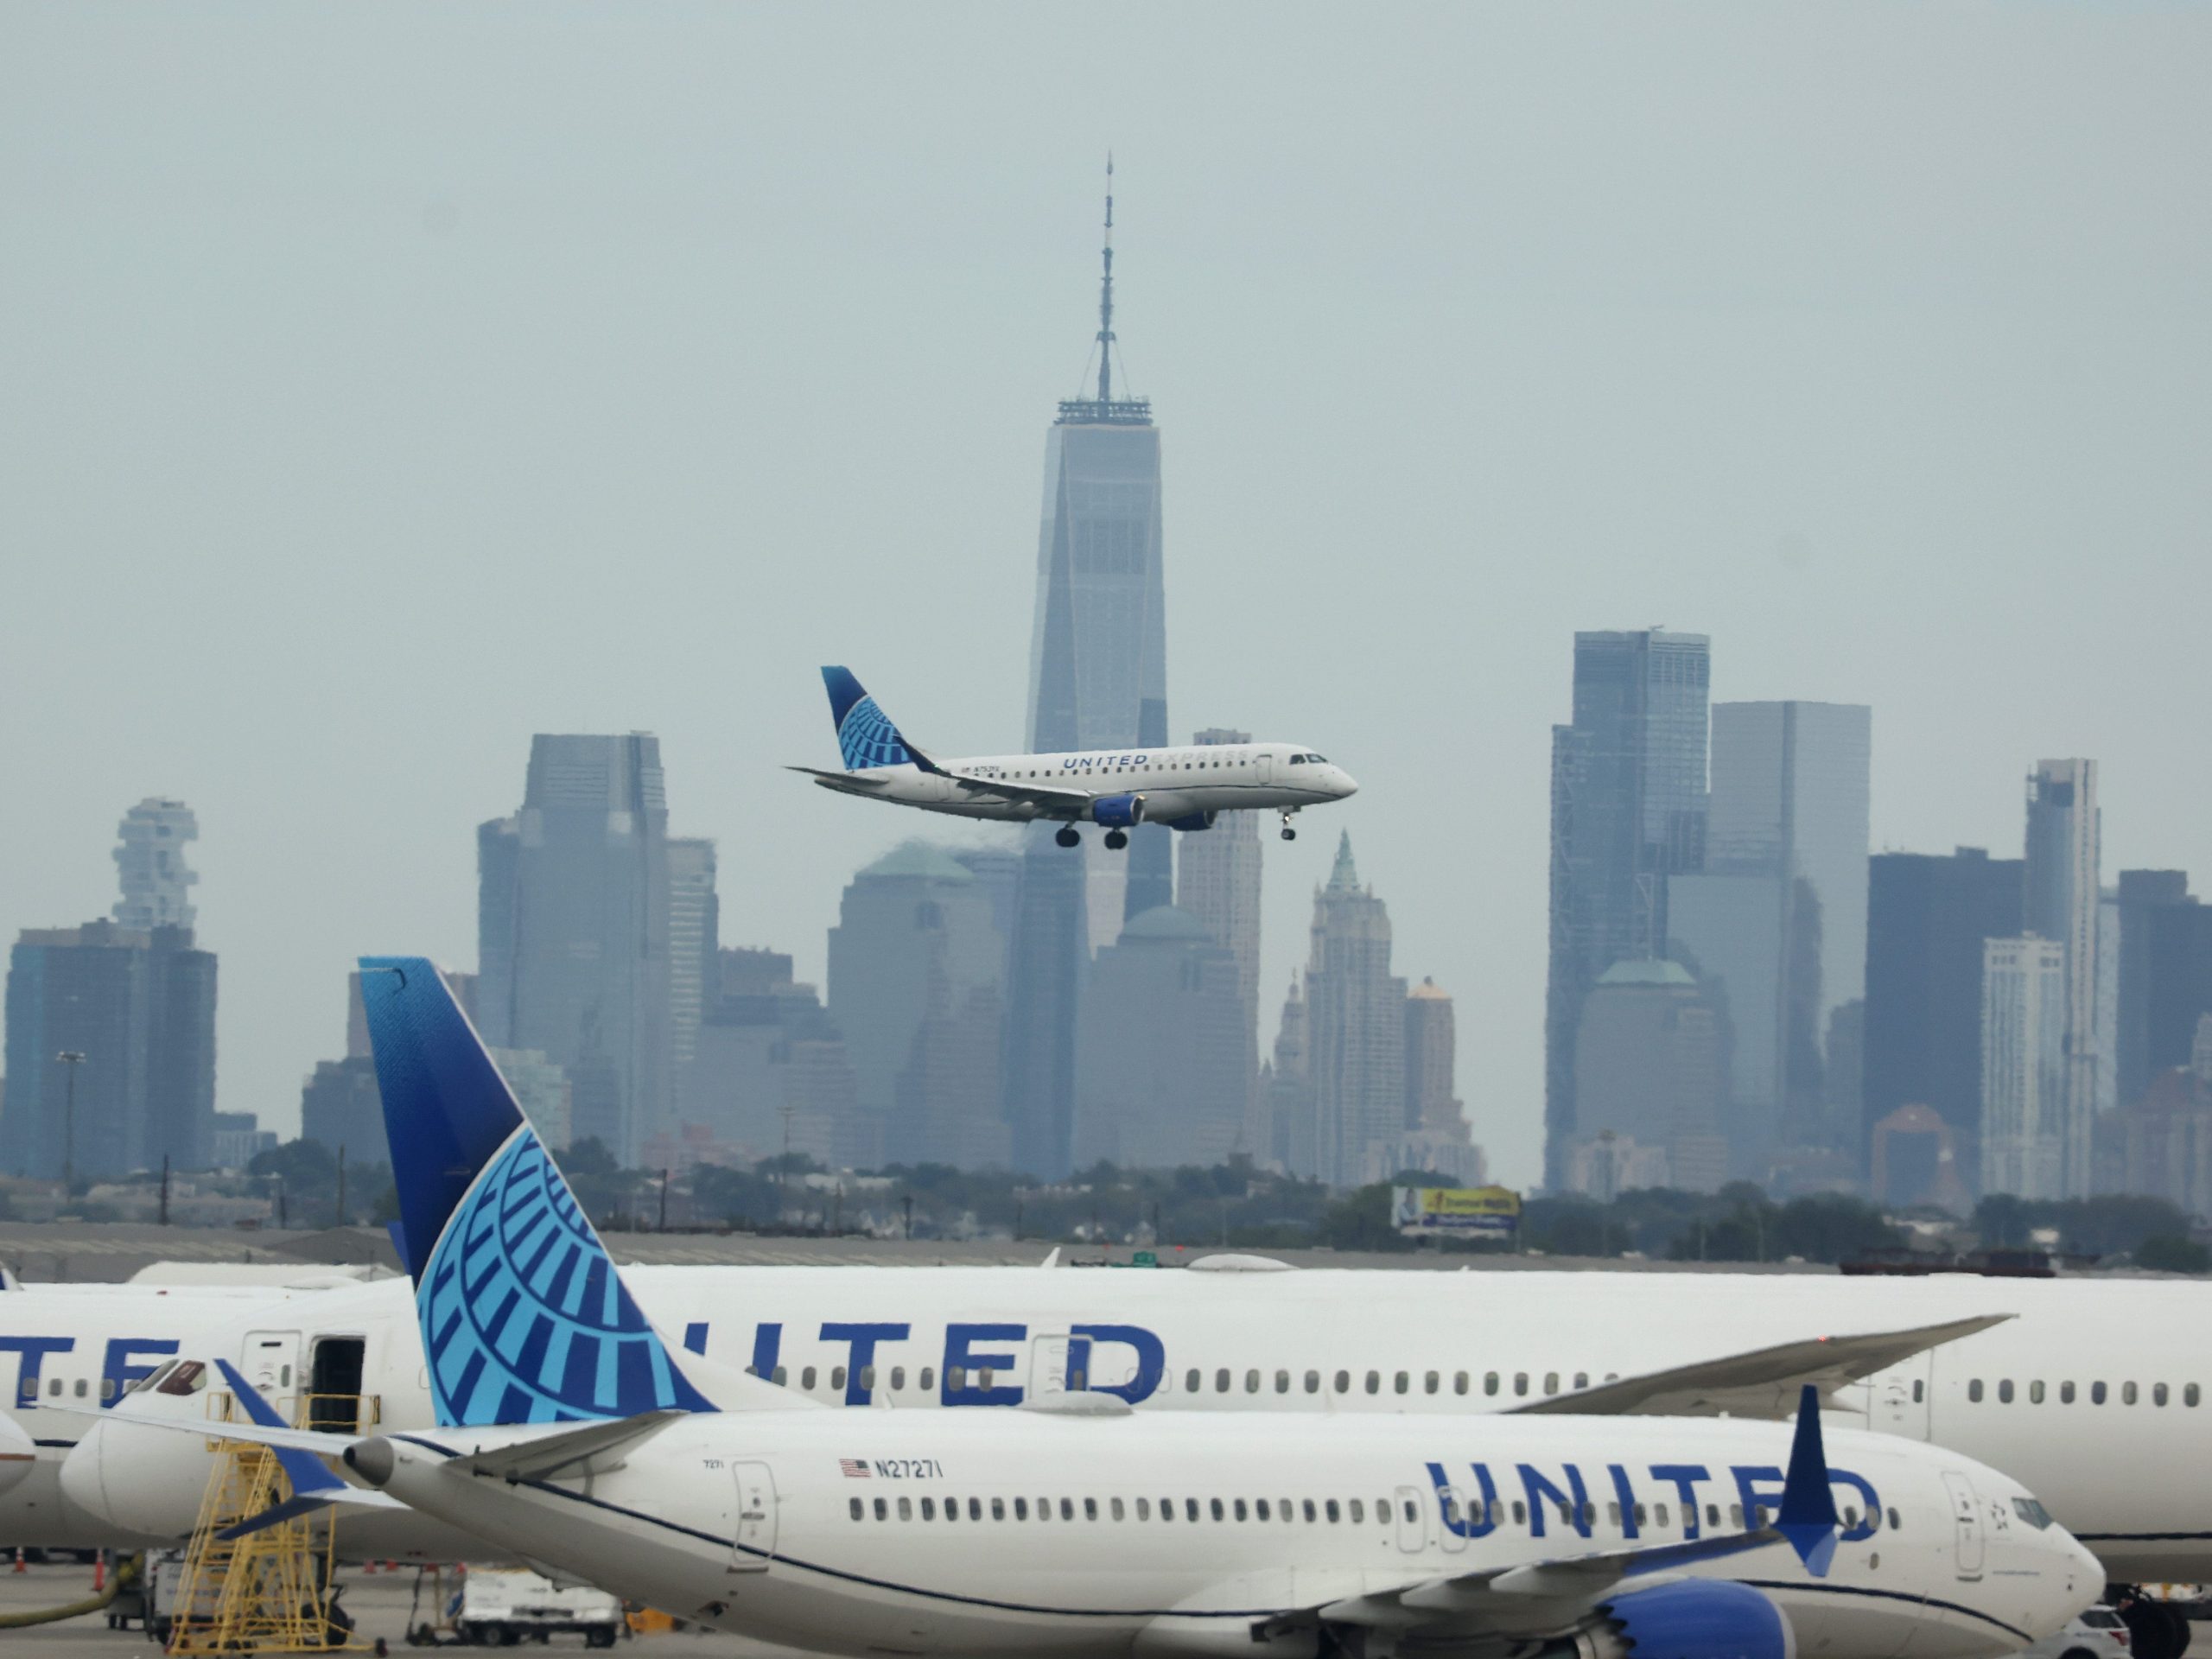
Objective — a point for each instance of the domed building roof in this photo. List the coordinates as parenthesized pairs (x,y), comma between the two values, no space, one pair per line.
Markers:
(1657,972)
(1165,922)
(920,859)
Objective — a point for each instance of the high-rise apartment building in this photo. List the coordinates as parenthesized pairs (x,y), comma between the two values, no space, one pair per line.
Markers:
(1355,1032)
(1097,679)
(2061,903)
(694,944)
(1647,1074)
(915,974)
(1163,1069)
(150,864)
(573,932)
(1775,925)
(1628,811)
(137,1007)
(1927,919)
(2024,1112)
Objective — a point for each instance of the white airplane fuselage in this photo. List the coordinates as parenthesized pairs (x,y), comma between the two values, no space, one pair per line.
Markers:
(1032,1533)
(1176,784)
(2095,1381)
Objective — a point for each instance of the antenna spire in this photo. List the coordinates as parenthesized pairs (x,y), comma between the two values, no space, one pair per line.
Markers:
(1106,296)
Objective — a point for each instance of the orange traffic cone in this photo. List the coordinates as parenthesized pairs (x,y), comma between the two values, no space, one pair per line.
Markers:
(367,1567)
(20,1567)
(99,1573)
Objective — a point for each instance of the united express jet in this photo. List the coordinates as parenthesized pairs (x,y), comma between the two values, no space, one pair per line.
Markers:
(1183,788)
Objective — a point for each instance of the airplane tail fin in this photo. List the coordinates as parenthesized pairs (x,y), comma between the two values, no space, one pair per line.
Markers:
(525,1317)
(866,736)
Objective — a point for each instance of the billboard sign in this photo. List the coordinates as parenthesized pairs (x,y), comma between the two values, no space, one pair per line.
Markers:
(1455,1211)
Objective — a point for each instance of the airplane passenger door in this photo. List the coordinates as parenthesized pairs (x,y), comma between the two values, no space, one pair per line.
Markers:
(1266,773)
(1048,1365)
(270,1361)
(1897,1403)
(1965,1523)
(1412,1517)
(1454,1520)
(756,1518)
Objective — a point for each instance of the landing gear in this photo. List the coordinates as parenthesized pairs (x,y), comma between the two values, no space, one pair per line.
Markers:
(1117,839)
(1288,834)
(1067,837)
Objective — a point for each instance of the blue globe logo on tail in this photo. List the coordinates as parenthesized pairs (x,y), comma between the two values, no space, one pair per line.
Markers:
(524,1317)
(866,736)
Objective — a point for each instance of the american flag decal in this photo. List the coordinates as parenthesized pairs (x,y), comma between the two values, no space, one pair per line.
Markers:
(854,1467)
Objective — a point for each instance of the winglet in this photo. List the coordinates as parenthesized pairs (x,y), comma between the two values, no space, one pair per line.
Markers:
(1808,1516)
(303,1469)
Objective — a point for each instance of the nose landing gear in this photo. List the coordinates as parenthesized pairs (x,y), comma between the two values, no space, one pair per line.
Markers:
(1288,834)
(1067,836)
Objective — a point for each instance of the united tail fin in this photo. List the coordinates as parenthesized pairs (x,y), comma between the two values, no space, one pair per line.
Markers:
(525,1317)
(866,736)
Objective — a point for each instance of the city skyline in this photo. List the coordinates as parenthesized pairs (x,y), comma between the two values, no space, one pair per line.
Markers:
(458,394)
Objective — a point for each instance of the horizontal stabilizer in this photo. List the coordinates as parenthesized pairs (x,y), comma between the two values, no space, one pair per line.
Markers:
(1763,1382)
(291,1509)
(842,779)
(575,1448)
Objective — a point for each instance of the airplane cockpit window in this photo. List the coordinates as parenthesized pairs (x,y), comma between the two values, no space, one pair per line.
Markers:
(1319,759)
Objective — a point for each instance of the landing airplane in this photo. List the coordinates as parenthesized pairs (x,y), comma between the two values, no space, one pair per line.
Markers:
(570,1435)
(1182,788)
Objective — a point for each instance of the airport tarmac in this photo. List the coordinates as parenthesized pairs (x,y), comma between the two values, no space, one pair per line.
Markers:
(381,1604)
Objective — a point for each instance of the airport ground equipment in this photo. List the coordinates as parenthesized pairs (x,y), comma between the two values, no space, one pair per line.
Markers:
(268,1591)
(504,1605)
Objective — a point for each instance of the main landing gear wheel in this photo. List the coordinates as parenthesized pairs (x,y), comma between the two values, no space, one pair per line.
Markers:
(2156,1631)
(1117,839)
(1067,837)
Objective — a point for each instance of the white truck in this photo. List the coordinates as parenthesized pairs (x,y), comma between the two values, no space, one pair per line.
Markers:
(498,1607)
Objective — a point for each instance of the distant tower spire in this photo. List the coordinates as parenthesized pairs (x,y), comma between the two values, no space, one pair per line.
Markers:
(1106,296)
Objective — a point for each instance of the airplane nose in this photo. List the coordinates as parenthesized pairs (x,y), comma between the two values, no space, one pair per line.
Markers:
(82,1481)
(1345,786)
(159,1477)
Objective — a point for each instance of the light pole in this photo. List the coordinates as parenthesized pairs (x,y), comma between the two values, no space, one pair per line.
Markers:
(72,1059)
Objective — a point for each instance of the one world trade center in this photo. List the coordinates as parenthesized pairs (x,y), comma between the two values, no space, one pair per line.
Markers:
(1098,680)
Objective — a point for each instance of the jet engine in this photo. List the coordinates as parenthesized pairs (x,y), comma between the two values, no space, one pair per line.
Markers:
(1118,811)
(1691,1619)
(1192,821)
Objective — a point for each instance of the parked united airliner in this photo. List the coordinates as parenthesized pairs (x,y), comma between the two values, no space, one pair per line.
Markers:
(1182,788)
(569,1434)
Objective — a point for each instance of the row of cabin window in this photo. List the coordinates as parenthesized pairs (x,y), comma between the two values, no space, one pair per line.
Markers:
(1329,1509)
(2190,1394)
(1171,765)
(54,1388)
(1224,1379)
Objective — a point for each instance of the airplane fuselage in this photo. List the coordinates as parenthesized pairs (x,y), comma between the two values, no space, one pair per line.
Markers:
(1180,786)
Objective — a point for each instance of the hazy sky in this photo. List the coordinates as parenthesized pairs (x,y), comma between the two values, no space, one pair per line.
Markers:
(381,385)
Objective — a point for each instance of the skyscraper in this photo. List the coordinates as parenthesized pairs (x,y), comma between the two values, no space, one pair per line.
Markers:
(1355,1030)
(2024,1074)
(156,884)
(1163,1069)
(573,918)
(694,944)
(1627,811)
(2166,977)
(1648,1075)
(1097,679)
(1927,918)
(2061,903)
(138,1008)
(1775,926)
(1437,1135)
(1218,882)
(915,962)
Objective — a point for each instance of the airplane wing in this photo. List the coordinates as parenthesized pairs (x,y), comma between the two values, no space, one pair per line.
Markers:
(566,1447)
(1043,795)
(1763,1382)
(1568,1594)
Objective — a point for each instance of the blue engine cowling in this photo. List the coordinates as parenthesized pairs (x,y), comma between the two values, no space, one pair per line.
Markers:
(1701,1618)
(1118,811)
(1192,820)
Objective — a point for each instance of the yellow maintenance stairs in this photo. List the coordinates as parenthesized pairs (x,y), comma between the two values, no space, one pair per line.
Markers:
(270,1590)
